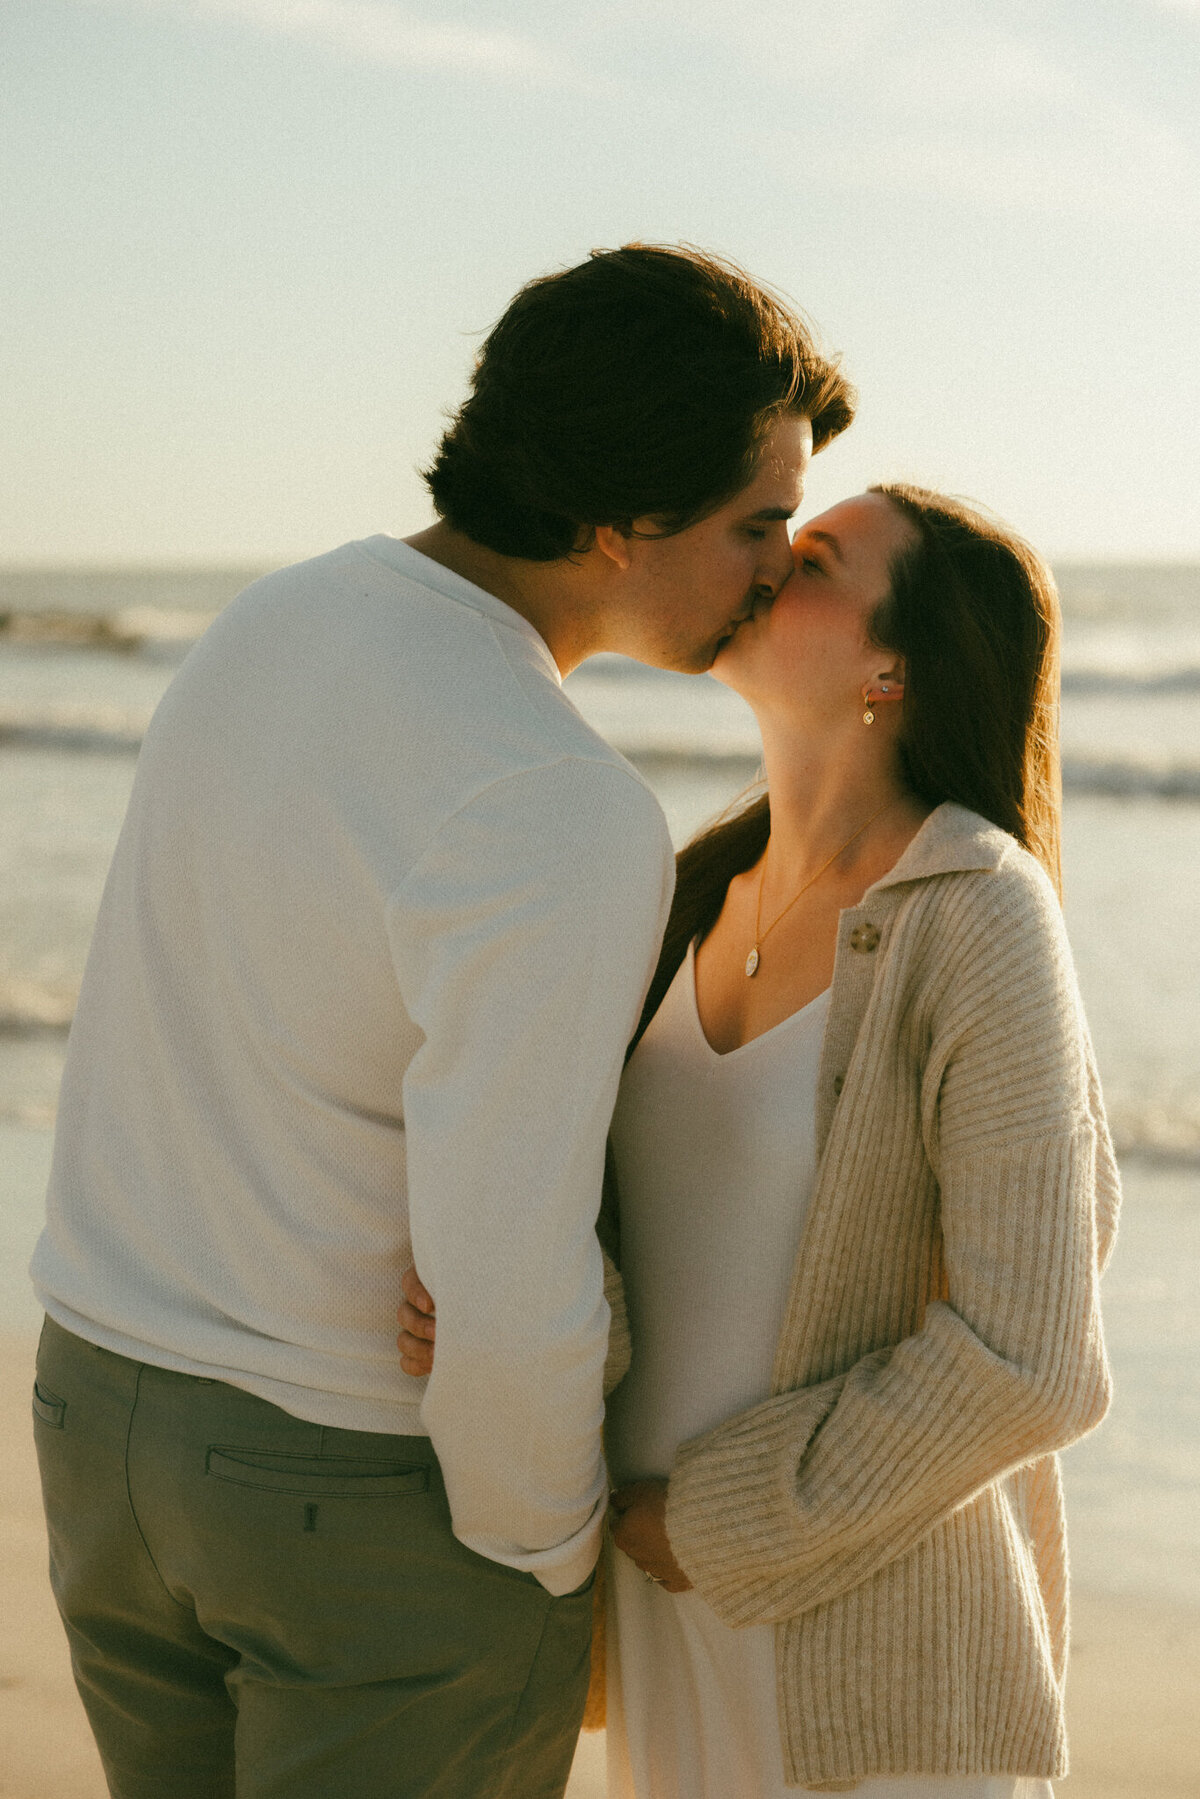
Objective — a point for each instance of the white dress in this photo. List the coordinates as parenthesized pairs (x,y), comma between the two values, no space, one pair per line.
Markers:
(715,1158)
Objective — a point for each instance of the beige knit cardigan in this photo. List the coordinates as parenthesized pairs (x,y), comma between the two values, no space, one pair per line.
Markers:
(895,1507)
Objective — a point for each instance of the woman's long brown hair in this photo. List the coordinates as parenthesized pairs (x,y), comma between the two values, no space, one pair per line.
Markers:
(973,610)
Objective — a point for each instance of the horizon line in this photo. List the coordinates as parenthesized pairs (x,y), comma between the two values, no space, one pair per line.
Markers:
(264,563)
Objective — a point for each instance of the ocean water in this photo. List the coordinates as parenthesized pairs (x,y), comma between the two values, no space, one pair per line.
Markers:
(86,654)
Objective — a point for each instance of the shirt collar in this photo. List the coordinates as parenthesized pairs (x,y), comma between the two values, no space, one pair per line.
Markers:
(401,557)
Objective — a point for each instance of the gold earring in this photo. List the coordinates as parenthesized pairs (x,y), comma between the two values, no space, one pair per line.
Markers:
(869,699)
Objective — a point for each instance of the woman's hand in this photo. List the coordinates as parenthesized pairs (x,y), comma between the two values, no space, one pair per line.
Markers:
(418,1326)
(639,1511)
(639,1529)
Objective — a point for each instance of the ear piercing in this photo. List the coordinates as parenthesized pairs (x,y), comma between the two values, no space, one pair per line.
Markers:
(873,695)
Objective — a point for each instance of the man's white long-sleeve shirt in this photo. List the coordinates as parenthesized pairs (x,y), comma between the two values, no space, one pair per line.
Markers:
(377,931)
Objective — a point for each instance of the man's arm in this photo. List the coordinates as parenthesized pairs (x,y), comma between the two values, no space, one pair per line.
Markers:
(523,944)
(417,1317)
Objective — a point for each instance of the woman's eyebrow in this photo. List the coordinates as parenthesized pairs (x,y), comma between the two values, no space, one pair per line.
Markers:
(827,537)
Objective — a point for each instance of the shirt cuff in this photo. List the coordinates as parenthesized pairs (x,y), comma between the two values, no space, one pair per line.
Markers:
(565,1567)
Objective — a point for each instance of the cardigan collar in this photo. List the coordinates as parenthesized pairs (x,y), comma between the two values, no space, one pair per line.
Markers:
(952,839)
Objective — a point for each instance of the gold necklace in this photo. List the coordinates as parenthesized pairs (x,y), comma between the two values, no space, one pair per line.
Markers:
(760,936)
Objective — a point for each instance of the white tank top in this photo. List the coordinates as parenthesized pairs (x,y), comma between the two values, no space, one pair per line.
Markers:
(715,1161)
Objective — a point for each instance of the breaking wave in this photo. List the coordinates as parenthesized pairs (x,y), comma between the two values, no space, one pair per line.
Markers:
(167,632)
(76,730)
(29,1009)
(1166,1135)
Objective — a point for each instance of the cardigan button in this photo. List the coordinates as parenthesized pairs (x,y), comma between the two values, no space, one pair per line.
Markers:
(839,1081)
(864,938)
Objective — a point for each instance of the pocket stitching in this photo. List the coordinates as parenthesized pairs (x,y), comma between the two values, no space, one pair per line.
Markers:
(222,1460)
(48,1408)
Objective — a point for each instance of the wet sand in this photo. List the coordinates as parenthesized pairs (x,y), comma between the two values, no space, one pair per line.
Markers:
(1132,1705)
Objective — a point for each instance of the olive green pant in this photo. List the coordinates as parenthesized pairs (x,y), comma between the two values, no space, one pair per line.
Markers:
(260,1608)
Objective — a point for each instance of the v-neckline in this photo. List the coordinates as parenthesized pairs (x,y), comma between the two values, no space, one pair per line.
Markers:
(727,1055)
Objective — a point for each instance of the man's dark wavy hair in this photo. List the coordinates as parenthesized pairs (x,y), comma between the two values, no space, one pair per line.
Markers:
(640,384)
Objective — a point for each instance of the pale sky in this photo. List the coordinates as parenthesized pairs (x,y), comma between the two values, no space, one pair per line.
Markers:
(248,244)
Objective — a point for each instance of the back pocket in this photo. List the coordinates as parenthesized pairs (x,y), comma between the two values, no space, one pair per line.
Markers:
(316,1476)
(48,1408)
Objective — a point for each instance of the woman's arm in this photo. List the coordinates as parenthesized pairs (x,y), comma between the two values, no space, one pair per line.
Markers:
(806,1495)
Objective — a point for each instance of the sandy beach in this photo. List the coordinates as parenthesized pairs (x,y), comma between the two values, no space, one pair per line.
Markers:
(1135,1672)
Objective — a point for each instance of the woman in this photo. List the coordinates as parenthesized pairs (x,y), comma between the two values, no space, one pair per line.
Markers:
(865,1192)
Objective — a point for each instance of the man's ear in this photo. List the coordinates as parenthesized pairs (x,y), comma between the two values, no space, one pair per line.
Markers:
(614,542)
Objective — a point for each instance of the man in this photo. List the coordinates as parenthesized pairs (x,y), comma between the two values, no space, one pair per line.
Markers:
(377,931)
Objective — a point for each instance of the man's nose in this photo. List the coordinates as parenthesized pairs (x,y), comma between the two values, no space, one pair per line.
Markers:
(776,587)
(779,566)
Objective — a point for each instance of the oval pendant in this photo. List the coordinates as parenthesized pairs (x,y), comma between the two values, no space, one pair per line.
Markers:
(752,963)
(868,716)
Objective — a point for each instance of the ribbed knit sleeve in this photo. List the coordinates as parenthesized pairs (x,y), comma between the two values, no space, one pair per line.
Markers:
(805,1496)
(620,1346)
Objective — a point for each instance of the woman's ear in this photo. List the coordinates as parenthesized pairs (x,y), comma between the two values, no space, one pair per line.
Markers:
(882,689)
(614,542)
(887,683)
